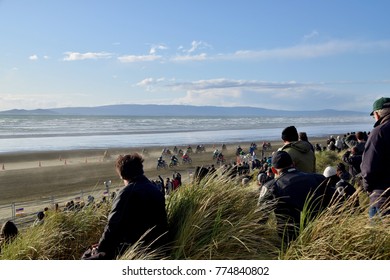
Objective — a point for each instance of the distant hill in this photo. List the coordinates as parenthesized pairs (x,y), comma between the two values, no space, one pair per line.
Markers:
(175,110)
(28,112)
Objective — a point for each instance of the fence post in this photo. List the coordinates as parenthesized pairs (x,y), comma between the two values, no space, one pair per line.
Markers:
(13,211)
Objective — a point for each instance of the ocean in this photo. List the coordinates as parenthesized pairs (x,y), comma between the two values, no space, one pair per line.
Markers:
(44,133)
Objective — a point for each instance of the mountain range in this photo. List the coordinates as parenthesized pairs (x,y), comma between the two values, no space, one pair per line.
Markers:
(176,110)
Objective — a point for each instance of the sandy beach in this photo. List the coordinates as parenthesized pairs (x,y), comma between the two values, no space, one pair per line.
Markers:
(40,175)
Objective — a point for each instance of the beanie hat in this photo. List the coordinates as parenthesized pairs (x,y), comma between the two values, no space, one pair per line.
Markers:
(281,159)
(290,134)
(329,171)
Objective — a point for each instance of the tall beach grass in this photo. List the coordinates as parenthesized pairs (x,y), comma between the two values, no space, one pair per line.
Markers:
(218,218)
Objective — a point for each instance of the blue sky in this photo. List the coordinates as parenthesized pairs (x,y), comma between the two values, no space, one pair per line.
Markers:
(291,55)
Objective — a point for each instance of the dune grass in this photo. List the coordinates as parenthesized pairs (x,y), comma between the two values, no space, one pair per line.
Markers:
(62,236)
(342,233)
(218,218)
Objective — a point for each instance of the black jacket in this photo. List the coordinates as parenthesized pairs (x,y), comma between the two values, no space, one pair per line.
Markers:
(354,161)
(375,167)
(292,190)
(138,207)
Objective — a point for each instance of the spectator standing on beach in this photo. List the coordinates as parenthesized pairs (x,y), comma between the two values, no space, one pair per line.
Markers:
(375,167)
(138,213)
(291,189)
(168,186)
(40,219)
(300,151)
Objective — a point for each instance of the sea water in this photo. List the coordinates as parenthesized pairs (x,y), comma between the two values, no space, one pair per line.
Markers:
(43,133)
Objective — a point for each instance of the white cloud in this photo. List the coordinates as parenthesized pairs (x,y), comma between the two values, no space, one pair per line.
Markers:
(288,95)
(215,97)
(243,84)
(155,48)
(304,51)
(146,82)
(300,51)
(311,35)
(33,57)
(183,58)
(74,56)
(149,83)
(138,58)
(192,54)
(198,45)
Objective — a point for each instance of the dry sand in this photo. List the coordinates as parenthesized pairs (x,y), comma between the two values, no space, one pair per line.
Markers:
(39,175)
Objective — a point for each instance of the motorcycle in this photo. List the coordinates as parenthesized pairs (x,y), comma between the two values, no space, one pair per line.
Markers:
(173,163)
(187,160)
(162,165)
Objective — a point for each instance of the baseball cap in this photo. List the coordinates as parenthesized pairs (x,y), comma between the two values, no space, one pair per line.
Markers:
(383,102)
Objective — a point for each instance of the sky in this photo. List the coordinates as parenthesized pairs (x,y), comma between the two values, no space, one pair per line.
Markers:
(288,55)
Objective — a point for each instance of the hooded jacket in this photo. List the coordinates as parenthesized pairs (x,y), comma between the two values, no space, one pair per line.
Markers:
(302,155)
(375,167)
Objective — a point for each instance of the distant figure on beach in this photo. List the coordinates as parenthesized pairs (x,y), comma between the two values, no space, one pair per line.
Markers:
(168,186)
(300,151)
(375,167)
(106,155)
(8,233)
(291,189)
(137,215)
(40,218)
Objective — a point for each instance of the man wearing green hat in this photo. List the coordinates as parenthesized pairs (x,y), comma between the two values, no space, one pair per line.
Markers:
(375,167)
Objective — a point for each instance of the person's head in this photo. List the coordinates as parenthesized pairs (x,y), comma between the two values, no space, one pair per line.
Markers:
(281,160)
(360,136)
(341,167)
(380,107)
(261,179)
(303,136)
(354,150)
(129,166)
(245,181)
(290,134)
(8,231)
(40,215)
